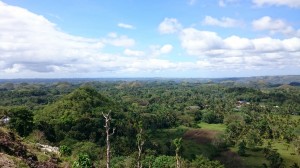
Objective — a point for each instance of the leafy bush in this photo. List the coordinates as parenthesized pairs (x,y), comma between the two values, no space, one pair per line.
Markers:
(211,118)
(83,162)
(164,161)
(203,162)
(65,150)
(89,148)
(21,120)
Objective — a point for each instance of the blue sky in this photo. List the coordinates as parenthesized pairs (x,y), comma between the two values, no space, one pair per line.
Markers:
(131,38)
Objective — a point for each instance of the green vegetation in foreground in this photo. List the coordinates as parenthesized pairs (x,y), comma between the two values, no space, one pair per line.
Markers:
(245,116)
(213,127)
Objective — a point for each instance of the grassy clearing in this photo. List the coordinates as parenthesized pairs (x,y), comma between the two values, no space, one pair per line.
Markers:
(214,127)
(295,117)
(169,134)
(254,159)
(190,148)
(287,153)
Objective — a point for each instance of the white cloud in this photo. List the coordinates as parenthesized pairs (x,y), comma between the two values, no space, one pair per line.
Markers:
(125,26)
(27,39)
(240,53)
(32,46)
(119,40)
(157,50)
(165,49)
(195,41)
(129,52)
(169,26)
(14,69)
(289,3)
(223,22)
(238,43)
(273,26)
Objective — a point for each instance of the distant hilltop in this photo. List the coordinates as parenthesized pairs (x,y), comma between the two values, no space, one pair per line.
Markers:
(293,80)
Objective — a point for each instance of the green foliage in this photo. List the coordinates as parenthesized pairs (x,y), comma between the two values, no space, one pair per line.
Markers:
(242,148)
(88,148)
(73,117)
(295,165)
(164,161)
(65,150)
(203,162)
(77,115)
(21,120)
(233,131)
(253,139)
(178,143)
(220,142)
(148,160)
(122,162)
(83,161)
(211,118)
(274,158)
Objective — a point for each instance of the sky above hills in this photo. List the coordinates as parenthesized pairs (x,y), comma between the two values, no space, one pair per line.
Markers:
(158,38)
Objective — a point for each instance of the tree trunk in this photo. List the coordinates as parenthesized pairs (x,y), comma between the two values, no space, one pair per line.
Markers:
(177,160)
(140,143)
(107,129)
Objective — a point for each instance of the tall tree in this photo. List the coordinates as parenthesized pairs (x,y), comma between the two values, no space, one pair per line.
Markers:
(108,135)
(177,142)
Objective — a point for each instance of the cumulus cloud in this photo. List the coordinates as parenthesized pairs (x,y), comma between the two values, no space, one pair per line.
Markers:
(169,26)
(223,22)
(237,52)
(32,46)
(27,38)
(289,3)
(273,26)
(125,26)
(119,40)
(195,41)
(157,50)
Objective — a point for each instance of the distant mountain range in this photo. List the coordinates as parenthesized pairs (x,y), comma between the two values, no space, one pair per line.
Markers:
(293,80)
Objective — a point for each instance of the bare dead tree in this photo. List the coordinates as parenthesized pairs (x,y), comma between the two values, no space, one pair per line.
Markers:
(108,134)
(140,142)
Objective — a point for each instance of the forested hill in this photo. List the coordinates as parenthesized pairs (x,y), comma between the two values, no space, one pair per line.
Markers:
(154,123)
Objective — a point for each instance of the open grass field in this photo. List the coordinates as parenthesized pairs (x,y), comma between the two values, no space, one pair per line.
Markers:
(287,153)
(194,141)
(213,127)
